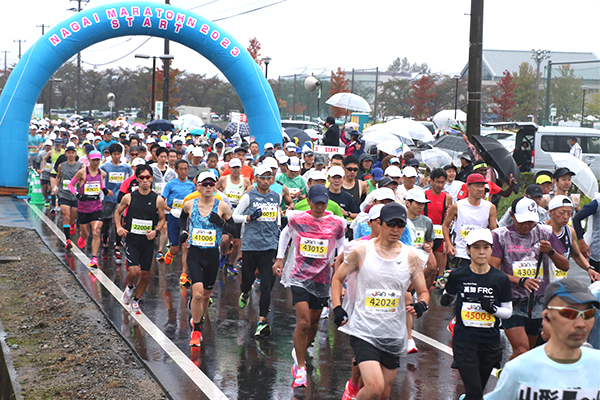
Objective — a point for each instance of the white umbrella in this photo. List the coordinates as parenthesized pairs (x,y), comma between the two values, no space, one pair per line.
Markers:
(406,128)
(376,136)
(351,125)
(391,147)
(189,121)
(445,118)
(382,129)
(584,178)
(349,101)
(435,158)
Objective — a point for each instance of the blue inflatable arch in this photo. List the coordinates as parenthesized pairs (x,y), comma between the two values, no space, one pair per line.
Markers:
(145,18)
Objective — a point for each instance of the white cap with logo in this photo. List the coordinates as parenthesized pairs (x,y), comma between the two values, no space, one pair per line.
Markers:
(525,210)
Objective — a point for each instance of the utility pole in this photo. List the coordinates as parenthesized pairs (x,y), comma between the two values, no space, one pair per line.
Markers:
(475,60)
(43,28)
(78,9)
(19,40)
(538,56)
(375,103)
(166,77)
(5,70)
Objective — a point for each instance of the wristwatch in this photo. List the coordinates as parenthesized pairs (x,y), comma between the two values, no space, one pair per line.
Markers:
(590,267)
(551,253)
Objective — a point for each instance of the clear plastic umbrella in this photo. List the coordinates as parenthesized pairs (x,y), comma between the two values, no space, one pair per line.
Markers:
(435,158)
(584,178)
(445,118)
(405,128)
(189,121)
(380,132)
(349,101)
(391,147)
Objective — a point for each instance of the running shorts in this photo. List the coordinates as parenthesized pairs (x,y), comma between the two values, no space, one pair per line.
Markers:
(477,355)
(314,303)
(438,245)
(364,351)
(108,209)
(86,218)
(139,254)
(173,229)
(203,265)
(66,202)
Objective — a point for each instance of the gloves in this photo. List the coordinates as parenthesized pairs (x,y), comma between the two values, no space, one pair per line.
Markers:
(419,307)
(447,299)
(183,236)
(215,219)
(488,305)
(284,222)
(256,214)
(339,315)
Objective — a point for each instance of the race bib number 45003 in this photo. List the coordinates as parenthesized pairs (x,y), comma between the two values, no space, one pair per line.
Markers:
(382,300)
(313,248)
(474,316)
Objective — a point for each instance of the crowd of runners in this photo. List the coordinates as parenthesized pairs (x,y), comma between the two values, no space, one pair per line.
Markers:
(363,238)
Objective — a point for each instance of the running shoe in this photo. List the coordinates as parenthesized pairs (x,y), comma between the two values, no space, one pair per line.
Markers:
(222,261)
(440,283)
(300,379)
(231,270)
(196,339)
(135,307)
(68,245)
(295,366)
(350,391)
(451,325)
(462,397)
(93,263)
(81,242)
(498,371)
(159,256)
(411,347)
(168,258)
(184,280)
(325,312)
(210,302)
(262,329)
(73,229)
(243,300)
(127,295)
(47,204)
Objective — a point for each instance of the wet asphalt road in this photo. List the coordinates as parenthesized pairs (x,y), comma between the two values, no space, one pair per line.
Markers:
(242,367)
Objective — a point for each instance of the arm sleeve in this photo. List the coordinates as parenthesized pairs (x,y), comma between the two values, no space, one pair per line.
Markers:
(585,212)
(238,214)
(72,188)
(284,239)
(505,310)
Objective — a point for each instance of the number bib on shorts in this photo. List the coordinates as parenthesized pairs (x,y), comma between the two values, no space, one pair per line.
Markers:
(473,316)
(116,177)
(382,300)
(465,229)
(158,187)
(33,151)
(91,188)
(438,232)
(176,208)
(420,238)
(140,226)
(269,213)
(204,237)
(234,196)
(65,184)
(526,269)
(313,248)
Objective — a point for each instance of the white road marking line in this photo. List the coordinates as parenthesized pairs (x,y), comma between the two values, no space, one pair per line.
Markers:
(203,383)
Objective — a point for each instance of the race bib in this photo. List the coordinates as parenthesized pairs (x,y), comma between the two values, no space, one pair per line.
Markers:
(91,188)
(438,232)
(269,213)
(234,195)
(313,248)
(526,269)
(204,237)
(559,273)
(33,150)
(420,238)
(465,229)
(382,300)
(293,191)
(473,316)
(48,167)
(140,226)
(176,208)
(65,184)
(116,177)
(158,187)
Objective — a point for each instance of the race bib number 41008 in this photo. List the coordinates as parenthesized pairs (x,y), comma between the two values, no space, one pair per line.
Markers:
(382,300)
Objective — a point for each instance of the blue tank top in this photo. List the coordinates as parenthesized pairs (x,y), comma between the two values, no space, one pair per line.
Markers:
(203,233)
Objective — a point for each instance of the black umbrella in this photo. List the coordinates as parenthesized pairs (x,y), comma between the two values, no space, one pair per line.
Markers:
(161,125)
(238,127)
(450,142)
(213,128)
(496,155)
(299,134)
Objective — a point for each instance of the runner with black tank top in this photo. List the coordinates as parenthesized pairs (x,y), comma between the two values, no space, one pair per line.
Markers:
(145,217)
(351,184)
(67,200)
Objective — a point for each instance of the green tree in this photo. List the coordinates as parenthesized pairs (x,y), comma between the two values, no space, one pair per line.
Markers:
(593,106)
(566,93)
(524,92)
(393,97)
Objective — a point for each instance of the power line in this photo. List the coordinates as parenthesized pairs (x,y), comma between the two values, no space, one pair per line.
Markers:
(43,28)
(19,40)
(120,58)
(249,11)
(202,5)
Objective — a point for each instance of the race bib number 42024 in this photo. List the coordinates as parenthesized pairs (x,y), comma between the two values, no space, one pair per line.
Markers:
(382,300)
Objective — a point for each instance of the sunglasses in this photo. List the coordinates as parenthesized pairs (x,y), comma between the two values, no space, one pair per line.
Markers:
(570,313)
(208,184)
(396,223)
(144,177)
(133,154)
(352,169)
(265,177)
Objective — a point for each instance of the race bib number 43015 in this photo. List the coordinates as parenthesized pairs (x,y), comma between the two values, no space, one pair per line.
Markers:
(382,300)
(313,248)
(474,316)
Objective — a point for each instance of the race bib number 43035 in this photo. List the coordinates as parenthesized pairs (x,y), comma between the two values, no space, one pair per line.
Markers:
(313,248)
(382,300)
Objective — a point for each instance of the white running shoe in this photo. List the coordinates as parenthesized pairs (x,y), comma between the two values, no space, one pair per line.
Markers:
(135,307)
(127,295)
(325,312)
(411,347)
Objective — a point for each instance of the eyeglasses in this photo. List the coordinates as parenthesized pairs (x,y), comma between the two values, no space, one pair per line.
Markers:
(396,223)
(265,177)
(352,169)
(207,184)
(570,313)
(144,177)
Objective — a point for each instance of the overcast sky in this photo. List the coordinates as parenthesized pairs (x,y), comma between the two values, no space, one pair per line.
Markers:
(317,35)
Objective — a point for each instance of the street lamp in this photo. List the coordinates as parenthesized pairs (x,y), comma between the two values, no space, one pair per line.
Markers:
(52,80)
(456,78)
(583,104)
(163,57)
(267,60)
(538,56)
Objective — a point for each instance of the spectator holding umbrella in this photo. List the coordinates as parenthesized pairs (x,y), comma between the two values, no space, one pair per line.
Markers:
(332,135)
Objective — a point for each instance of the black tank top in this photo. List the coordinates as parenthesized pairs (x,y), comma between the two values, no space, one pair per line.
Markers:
(355,191)
(142,214)
(565,239)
